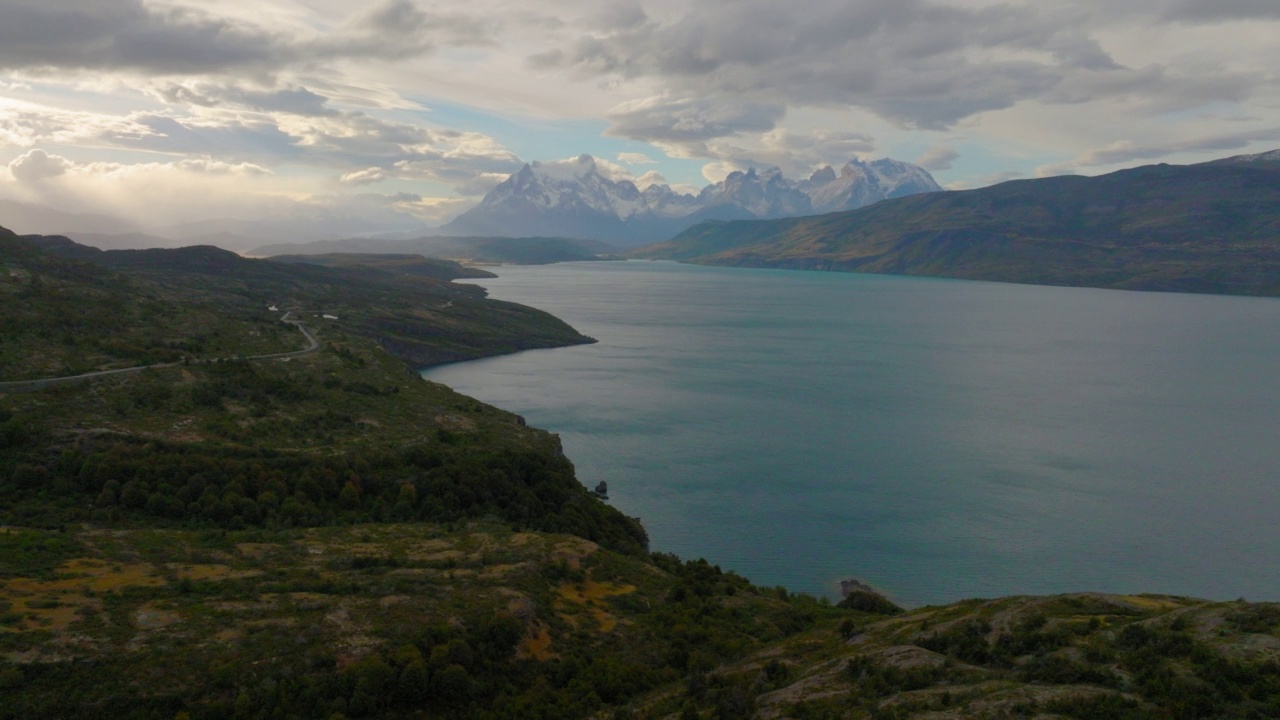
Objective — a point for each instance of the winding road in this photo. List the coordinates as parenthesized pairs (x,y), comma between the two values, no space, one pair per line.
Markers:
(39,384)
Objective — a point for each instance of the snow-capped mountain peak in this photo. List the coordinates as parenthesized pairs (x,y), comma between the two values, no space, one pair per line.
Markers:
(573,198)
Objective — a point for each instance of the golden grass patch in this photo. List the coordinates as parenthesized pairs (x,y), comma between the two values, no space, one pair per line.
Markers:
(537,646)
(1150,603)
(56,604)
(494,571)
(211,572)
(593,596)
(256,550)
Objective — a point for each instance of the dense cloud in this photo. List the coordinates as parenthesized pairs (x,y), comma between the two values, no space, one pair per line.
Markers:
(684,120)
(1223,10)
(292,100)
(316,98)
(151,39)
(735,66)
(912,61)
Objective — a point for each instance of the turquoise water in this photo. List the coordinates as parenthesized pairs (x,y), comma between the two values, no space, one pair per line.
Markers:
(939,439)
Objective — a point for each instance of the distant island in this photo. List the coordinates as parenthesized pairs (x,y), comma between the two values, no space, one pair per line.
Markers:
(1210,228)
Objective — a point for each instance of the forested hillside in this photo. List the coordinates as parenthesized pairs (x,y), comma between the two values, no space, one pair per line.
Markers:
(327,535)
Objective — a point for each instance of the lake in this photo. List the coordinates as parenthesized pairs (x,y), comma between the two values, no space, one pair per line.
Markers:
(938,439)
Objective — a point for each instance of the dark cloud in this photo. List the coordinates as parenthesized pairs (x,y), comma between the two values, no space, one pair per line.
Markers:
(240,139)
(135,36)
(1205,11)
(684,120)
(917,63)
(127,34)
(904,59)
(399,29)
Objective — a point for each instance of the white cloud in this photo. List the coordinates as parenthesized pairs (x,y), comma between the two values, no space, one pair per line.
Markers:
(367,176)
(209,166)
(633,158)
(938,157)
(796,153)
(653,177)
(37,165)
(26,124)
(153,193)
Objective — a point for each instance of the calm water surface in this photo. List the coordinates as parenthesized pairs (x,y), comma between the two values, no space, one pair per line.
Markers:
(939,439)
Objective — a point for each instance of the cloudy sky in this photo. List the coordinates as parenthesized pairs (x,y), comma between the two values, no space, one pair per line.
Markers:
(181,110)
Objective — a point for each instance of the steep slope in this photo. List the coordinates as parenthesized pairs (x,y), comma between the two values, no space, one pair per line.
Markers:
(1213,227)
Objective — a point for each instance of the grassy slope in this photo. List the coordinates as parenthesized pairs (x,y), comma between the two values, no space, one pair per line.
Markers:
(370,621)
(333,535)
(196,291)
(1203,228)
(1088,656)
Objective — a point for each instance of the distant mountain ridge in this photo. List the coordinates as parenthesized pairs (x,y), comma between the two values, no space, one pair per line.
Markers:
(1212,227)
(513,250)
(573,199)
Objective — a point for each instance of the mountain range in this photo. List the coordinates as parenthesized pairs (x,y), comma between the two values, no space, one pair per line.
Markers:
(575,199)
(569,199)
(1212,227)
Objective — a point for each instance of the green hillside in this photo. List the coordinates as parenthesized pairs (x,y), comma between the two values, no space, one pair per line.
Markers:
(327,535)
(190,300)
(1213,228)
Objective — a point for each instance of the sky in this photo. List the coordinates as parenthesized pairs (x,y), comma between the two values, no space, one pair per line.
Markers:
(173,111)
